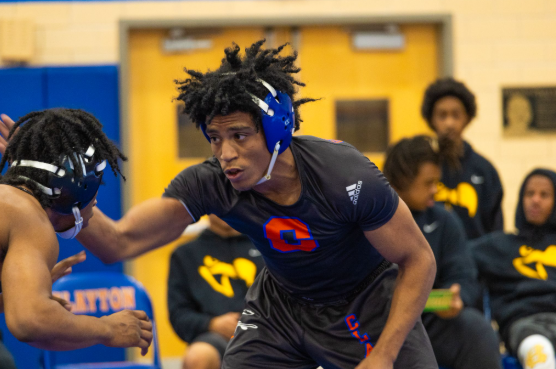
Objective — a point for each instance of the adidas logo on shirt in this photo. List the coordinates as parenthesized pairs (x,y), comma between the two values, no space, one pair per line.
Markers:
(353,191)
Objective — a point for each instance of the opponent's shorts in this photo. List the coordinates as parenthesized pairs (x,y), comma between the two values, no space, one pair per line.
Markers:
(277,331)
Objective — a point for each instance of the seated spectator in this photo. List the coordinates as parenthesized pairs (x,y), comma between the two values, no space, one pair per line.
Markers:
(461,337)
(520,273)
(472,189)
(208,281)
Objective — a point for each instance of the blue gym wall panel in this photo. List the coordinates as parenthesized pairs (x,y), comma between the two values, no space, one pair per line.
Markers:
(93,89)
(21,91)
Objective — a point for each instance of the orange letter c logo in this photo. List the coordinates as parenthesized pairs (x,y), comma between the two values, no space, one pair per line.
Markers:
(289,235)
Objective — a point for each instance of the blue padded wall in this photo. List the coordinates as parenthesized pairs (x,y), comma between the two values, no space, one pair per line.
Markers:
(22,90)
(91,88)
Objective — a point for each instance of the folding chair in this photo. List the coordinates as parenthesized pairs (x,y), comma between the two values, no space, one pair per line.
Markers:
(98,294)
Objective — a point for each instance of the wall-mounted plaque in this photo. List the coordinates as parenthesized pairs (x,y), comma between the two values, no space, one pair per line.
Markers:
(529,110)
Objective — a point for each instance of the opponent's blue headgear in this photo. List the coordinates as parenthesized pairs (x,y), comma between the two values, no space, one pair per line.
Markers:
(69,191)
(278,122)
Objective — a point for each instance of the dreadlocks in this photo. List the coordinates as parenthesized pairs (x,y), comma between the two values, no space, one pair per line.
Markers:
(447,87)
(404,159)
(48,136)
(227,89)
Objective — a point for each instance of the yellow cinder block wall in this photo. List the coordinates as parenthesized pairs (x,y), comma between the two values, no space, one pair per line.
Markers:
(496,43)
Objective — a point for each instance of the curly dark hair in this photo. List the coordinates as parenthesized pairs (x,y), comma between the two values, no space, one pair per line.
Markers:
(227,89)
(48,136)
(404,159)
(443,87)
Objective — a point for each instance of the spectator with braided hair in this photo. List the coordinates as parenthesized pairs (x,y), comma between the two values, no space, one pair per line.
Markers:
(472,189)
(56,160)
(325,220)
(461,337)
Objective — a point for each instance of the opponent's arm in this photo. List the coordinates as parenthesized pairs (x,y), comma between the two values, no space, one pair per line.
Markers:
(62,268)
(144,227)
(33,316)
(400,241)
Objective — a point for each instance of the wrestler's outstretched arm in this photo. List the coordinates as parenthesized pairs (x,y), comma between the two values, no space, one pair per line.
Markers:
(401,241)
(144,227)
(31,314)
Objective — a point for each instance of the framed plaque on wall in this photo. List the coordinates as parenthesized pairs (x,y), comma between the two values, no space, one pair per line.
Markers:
(529,110)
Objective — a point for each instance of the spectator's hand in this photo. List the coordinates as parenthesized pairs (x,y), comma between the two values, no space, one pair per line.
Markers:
(456,305)
(6,123)
(225,324)
(129,328)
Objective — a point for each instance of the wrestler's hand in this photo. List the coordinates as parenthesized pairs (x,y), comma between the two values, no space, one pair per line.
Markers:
(65,304)
(376,361)
(6,124)
(456,304)
(129,328)
(63,267)
(225,324)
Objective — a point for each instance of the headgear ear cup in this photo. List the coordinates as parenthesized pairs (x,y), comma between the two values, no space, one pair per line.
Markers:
(279,126)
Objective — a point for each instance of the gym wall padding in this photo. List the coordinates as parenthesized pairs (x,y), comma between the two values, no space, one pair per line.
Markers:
(93,89)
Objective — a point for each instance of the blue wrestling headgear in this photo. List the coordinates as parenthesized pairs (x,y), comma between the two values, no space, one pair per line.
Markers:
(278,123)
(69,191)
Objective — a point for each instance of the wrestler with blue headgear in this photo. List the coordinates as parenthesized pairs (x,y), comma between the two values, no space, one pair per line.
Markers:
(326,221)
(57,158)
(71,186)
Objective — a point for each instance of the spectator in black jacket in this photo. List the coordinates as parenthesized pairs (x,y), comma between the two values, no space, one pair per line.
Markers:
(520,272)
(208,280)
(473,188)
(461,337)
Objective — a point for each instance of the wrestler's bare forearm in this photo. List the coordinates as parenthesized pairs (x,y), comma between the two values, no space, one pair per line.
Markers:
(413,286)
(144,227)
(400,241)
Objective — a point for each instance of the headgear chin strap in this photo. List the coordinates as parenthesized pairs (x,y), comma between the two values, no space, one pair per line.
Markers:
(73,231)
(278,123)
(69,192)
